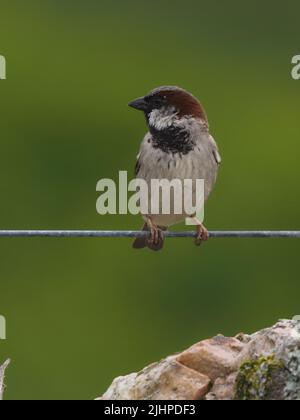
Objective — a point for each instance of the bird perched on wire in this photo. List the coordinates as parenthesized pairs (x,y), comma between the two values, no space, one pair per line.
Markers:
(177,146)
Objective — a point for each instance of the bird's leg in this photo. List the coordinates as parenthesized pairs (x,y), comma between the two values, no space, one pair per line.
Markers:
(156,234)
(202,232)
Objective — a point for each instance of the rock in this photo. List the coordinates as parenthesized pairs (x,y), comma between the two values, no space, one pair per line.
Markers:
(215,358)
(167,379)
(223,388)
(270,364)
(262,366)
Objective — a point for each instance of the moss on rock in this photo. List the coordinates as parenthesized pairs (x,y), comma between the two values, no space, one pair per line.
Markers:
(256,378)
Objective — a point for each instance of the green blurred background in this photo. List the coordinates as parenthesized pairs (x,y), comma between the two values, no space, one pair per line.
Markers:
(80,312)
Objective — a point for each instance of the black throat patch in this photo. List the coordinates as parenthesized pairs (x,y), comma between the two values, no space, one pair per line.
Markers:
(172,140)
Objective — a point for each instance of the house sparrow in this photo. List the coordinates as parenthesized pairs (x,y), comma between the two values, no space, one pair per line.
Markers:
(177,146)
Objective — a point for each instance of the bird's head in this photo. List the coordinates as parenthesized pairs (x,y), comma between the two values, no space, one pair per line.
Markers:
(169,105)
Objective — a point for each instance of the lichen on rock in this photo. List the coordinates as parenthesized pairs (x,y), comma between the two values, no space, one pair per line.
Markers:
(256,378)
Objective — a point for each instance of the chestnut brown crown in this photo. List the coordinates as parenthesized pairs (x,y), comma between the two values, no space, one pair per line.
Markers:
(171,96)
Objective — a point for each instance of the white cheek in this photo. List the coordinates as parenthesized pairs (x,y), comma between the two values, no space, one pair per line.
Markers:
(154,118)
(163,118)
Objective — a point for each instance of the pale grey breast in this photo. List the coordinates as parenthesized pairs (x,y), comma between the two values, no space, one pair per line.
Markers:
(200,163)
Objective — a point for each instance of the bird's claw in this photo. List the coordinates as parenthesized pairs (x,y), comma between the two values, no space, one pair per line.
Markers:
(156,236)
(202,235)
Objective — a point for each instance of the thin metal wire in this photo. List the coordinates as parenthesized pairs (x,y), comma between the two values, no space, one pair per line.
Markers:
(134,234)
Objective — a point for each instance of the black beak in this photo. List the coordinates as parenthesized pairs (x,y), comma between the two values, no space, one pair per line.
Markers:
(140,104)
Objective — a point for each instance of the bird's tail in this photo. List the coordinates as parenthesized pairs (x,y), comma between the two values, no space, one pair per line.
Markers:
(143,241)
